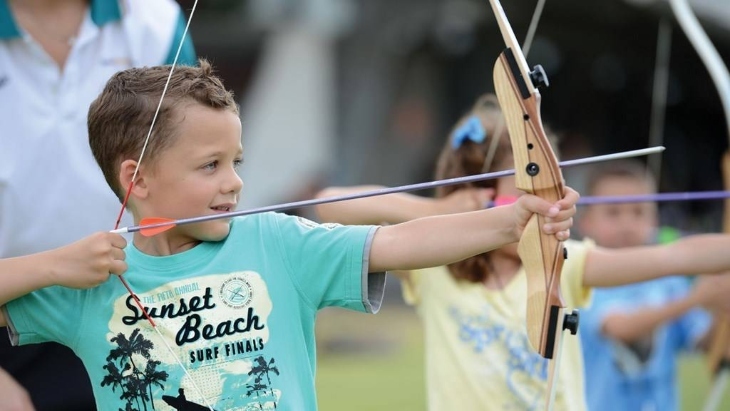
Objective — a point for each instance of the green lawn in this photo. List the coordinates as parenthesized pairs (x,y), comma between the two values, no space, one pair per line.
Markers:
(368,362)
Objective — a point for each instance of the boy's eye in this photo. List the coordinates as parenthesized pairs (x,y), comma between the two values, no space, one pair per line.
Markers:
(211,166)
(237,163)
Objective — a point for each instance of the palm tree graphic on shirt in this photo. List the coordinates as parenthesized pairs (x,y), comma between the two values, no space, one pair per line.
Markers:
(262,369)
(130,368)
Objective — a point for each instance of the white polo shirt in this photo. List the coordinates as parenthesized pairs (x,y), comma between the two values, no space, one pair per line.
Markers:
(51,190)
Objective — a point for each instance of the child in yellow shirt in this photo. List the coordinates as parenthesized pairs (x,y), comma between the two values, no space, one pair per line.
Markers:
(477,352)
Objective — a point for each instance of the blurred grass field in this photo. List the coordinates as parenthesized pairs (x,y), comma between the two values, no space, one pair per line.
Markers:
(375,362)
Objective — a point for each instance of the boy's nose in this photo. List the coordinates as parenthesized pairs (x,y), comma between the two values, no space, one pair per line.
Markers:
(233,183)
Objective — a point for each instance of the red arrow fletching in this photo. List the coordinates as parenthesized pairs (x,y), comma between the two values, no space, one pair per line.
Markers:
(157,228)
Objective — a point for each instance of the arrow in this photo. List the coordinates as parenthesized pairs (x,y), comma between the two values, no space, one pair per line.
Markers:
(152,226)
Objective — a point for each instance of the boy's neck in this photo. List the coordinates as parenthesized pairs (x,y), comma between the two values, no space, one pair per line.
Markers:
(163,244)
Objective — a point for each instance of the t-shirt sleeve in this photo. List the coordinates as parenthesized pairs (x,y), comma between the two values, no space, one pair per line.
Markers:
(50,314)
(328,263)
(187,53)
(576,294)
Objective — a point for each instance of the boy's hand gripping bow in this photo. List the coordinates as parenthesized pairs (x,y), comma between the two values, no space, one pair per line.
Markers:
(538,173)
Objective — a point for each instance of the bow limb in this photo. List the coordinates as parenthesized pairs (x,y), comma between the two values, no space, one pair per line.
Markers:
(719,352)
(538,173)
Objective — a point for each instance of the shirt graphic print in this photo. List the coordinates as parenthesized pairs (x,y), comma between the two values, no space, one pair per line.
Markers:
(210,323)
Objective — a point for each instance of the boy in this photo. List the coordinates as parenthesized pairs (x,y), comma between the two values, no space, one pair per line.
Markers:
(235,299)
(632,334)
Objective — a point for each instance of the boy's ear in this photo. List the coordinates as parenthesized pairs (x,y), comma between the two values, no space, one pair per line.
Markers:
(126,172)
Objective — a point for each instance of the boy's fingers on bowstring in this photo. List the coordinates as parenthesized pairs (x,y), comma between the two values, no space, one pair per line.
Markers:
(116,240)
(118,267)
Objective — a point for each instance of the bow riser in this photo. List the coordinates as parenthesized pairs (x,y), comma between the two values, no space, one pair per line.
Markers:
(530,145)
(544,301)
(538,173)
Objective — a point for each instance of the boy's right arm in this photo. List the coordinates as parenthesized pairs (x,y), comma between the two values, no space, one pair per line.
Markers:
(83,264)
(395,208)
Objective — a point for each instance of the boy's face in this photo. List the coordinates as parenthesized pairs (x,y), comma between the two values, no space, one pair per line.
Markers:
(620,225)
(196,176)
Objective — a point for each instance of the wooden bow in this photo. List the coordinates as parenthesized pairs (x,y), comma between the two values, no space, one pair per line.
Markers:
(538,173)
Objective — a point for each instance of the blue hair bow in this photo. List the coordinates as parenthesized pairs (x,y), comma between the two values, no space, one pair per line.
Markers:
(472,130)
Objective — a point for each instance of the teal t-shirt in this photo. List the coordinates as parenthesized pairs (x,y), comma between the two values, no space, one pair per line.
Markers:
(239,313)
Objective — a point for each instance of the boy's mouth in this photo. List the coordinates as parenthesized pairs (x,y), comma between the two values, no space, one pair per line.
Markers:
(223,208)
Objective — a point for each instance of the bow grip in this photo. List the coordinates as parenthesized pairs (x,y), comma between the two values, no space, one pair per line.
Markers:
(536,172)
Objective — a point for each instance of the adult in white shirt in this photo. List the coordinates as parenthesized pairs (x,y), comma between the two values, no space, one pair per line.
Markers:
(55,57)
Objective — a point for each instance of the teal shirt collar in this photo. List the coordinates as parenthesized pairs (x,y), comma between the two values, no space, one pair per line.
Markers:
(102,12)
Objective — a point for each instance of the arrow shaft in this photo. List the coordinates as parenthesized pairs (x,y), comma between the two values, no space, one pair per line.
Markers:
(699,195)
(383,191)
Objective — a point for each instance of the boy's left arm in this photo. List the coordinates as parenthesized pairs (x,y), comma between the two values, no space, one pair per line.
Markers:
(707,253)
(441,240)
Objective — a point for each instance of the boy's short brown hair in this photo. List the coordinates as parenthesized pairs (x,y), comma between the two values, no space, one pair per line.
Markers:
(120,117)
(622,169)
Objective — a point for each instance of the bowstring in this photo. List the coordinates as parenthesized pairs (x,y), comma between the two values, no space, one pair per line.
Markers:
(129,191)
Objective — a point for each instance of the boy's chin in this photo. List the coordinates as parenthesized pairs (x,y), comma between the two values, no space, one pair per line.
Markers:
(217,232)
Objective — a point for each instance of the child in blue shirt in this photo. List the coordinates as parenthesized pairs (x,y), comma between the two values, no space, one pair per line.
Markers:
(632,334)
(235,300)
